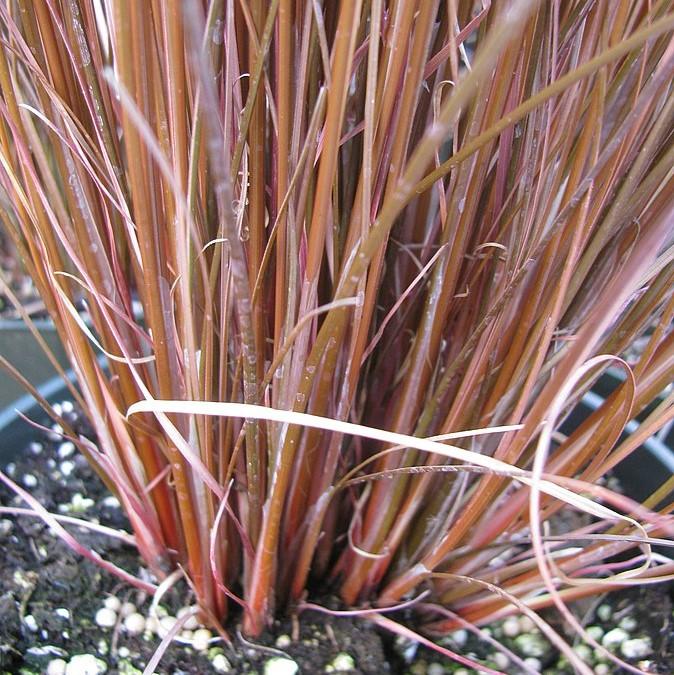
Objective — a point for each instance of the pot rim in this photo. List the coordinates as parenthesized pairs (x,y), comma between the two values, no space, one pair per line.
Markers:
(55,388)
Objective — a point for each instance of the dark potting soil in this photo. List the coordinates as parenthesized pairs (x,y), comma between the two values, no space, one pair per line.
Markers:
(49,597)
(652,607)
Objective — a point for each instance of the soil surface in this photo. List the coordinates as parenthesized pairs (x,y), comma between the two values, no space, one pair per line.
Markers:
(49,597)
(652,608)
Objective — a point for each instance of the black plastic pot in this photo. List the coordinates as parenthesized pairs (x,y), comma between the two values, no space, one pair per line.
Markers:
(15,432)
(640,474)
(21,349)
(644,470)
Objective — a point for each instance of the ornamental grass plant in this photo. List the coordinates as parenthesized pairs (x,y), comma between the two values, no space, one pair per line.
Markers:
(351,264)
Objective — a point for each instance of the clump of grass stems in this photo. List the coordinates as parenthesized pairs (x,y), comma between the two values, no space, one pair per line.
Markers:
(293,224)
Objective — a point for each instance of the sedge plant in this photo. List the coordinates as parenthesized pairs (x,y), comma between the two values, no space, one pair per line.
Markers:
(350,265)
